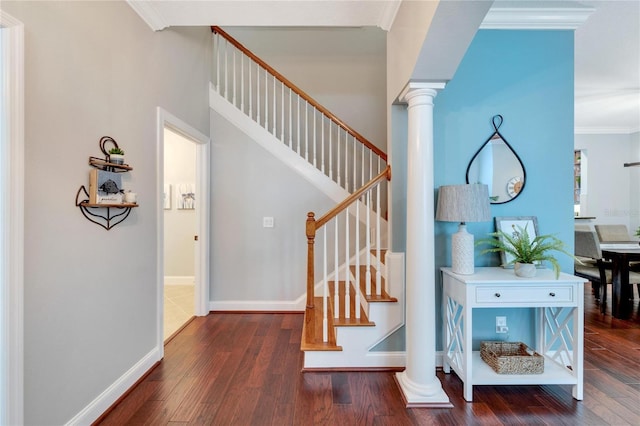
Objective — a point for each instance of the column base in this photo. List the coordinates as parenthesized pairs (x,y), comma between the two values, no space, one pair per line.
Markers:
(419,396)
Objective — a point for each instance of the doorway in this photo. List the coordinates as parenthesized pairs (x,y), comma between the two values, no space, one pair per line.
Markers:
(180,231)
(184,199)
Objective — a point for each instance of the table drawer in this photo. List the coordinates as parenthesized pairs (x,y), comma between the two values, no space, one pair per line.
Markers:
(524,294)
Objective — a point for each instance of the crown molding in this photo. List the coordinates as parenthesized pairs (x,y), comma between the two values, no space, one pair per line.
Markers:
(508,16)
(149,14)
(388,14)
(605,130)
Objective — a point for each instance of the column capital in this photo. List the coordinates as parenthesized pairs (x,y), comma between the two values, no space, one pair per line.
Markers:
(415,88)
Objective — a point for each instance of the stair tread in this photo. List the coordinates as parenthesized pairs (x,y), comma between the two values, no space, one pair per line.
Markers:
(373,297)
(342,321)
(312,329)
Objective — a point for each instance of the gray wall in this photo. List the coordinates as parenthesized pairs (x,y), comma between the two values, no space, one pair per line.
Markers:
(249,262)
(612,188)
(94,69)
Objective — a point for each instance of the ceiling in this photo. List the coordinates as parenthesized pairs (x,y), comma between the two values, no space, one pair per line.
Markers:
(607,44)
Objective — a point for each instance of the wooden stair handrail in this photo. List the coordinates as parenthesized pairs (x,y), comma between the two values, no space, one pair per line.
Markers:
(312,226)
(300,92)
(385,174)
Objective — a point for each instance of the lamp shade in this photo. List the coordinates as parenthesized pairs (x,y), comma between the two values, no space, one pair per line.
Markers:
(463,203)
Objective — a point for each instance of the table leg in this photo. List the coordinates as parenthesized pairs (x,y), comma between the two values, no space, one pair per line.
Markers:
(620,306)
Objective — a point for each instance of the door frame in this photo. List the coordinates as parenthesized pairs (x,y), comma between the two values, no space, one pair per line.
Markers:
(12,222)
(202,249)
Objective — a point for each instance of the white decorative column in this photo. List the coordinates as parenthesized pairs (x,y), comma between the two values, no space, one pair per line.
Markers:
(419,385)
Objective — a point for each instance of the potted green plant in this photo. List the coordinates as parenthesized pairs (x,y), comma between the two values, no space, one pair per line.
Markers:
(116,156)
(526,252)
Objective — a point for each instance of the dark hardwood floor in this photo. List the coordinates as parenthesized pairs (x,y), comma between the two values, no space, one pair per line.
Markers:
(244,369)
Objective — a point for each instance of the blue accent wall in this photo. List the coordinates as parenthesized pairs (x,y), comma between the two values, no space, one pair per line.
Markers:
(527,77)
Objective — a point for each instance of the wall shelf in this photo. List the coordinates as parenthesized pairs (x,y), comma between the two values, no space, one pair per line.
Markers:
(107,215)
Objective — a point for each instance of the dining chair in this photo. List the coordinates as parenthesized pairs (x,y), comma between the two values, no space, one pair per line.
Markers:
(618,233)
(613,233)
(589,263)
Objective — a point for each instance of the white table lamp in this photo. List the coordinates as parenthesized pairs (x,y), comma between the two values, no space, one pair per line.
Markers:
(463,203)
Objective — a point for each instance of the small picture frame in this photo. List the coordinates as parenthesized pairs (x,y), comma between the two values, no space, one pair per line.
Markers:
(506,224)
(185,196)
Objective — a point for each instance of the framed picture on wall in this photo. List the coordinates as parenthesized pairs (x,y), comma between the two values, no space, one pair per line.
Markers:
(512,225)
(185,196)
(166,196)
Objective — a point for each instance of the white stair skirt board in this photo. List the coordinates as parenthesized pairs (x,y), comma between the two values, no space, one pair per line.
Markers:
(179,280)
(99,405)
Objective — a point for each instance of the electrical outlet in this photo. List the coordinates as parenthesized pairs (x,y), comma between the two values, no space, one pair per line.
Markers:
(501,325)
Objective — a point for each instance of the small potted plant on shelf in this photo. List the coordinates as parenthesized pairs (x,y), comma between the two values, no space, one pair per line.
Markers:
(526,252)
(116,156)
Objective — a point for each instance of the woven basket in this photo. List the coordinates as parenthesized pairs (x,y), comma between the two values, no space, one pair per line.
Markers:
(511,358)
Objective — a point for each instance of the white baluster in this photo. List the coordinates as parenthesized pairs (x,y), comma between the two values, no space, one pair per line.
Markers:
(325,289)
(315,146)
(250,91)
(217,56)
(257,93)
(362,164)
(242,83)
(282,115)
(298,126)
(338,171)
(226,70)
(322,140)
(355,158)
(233,67)
(346,161)
(378,266)
(330,153)
(370,164)
(368,244)
(357,286)
(306,130)
(336,277)
(275,115)
(266,100)
(290,119)
(347,274)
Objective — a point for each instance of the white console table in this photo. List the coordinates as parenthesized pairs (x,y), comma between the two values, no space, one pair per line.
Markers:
(559,327)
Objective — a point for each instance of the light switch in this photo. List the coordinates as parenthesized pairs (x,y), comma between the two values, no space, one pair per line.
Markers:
(267,222)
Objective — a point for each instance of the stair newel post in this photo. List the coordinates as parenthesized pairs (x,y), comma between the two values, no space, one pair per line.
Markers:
(311,236)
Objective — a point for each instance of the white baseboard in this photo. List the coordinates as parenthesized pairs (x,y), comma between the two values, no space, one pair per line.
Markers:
(99,405)
(178,280)
(257,305)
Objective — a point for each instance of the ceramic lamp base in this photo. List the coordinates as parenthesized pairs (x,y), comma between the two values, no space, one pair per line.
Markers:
(462,256)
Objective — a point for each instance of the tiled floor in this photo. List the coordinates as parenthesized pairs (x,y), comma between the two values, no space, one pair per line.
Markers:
(178,307)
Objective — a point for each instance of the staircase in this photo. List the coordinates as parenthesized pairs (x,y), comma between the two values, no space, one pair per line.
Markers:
(349,303)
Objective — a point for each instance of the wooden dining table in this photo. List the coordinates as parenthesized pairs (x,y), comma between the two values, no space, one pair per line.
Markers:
(620,255)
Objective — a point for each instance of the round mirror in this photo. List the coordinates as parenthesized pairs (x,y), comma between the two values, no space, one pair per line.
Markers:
(498,166)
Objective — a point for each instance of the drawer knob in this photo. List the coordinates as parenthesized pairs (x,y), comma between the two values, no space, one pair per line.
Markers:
(497,294)
(552,294)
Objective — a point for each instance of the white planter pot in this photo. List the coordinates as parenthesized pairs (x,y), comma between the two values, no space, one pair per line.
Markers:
(525,270)
(116,158)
